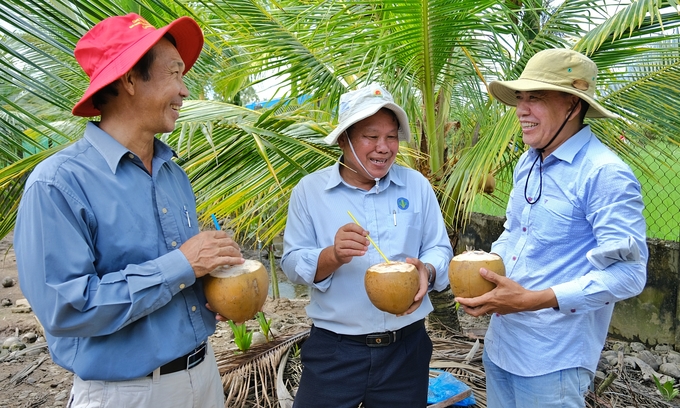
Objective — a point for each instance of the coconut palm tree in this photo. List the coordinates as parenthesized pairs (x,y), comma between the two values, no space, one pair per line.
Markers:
(435,56)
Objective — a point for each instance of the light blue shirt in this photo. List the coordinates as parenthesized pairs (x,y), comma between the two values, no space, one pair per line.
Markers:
(96,243)
(585,239)
(403,218)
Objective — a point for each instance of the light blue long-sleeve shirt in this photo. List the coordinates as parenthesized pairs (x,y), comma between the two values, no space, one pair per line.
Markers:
(585,239)
(403,218)
(97,242)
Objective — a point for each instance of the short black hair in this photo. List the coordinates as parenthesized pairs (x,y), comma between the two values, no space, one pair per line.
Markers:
(142,67)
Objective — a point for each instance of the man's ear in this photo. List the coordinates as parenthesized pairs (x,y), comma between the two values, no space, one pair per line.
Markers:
(128,81)
(577,106)
(342,139)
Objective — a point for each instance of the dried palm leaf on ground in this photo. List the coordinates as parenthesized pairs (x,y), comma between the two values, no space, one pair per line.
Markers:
(249,378)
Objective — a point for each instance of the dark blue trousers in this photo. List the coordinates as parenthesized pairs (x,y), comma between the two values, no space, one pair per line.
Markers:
(341,373)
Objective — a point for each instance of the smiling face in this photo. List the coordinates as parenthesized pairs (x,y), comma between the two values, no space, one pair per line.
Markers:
(376,143)
(541,113)
(159,99)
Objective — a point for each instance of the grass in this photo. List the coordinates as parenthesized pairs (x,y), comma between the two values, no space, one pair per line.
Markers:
(660,192)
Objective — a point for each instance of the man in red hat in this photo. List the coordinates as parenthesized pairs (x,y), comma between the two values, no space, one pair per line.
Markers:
(107,241)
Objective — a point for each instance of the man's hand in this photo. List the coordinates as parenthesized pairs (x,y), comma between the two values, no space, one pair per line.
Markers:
(423,285)
(209,249)
(350,241)
(507,297)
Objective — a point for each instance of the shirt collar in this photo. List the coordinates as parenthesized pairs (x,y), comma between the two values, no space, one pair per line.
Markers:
(335,178)
(112,151)
(568,150)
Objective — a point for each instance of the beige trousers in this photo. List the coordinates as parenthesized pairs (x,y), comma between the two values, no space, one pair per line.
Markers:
(199,387)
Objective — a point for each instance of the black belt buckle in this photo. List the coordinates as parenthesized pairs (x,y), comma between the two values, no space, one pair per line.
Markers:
(196,357)
(379,339)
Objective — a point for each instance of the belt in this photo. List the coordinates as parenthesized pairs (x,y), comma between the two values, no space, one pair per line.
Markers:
(385,338)
(187,361)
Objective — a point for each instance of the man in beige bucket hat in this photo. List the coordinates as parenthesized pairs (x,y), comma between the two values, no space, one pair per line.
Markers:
(357,353)
(573,245)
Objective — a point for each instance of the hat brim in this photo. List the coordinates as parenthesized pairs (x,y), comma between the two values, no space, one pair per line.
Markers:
(504,91)
(189,43)
(404,132)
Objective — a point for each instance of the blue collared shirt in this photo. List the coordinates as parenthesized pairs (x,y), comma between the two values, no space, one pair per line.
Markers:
(585,239)
(402,217)
(96,243)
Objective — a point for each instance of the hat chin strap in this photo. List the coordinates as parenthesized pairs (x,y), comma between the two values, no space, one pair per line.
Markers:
(540,151)
(377,179)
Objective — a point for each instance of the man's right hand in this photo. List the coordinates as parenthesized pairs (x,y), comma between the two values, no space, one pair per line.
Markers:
(350,241)
(209,249)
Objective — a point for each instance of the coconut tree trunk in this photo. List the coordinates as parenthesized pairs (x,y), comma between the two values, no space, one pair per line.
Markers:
(444,316)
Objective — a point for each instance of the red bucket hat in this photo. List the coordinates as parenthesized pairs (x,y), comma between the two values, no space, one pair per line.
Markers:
(114,45)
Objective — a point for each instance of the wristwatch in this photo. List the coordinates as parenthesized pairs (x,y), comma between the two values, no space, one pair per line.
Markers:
(431,274)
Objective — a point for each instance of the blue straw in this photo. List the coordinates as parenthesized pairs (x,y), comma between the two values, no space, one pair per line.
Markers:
(217,224)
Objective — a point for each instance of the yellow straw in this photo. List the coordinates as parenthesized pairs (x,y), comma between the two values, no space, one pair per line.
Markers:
(369,238)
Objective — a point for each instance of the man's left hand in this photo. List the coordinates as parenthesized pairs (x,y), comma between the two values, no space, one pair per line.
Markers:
(423,285)
(507,297)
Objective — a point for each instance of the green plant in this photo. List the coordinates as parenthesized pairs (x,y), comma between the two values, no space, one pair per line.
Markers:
(265,325)
(242,337)
(666,389)
(296,350)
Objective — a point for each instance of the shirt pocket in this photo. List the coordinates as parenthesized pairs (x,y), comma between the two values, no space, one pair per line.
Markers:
(554,221)
(402,235)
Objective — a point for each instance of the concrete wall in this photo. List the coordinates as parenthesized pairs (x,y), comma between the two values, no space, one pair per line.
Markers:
(650,318)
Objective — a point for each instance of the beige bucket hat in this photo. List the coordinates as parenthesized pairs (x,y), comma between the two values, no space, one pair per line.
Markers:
(561,70)
(362,103)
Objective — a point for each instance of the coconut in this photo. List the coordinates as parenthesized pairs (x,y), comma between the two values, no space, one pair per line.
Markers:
(237,292)
(464,273)
(487,183)
(392,286)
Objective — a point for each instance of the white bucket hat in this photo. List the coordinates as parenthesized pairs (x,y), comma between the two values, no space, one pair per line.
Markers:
(362,103)
(559,69)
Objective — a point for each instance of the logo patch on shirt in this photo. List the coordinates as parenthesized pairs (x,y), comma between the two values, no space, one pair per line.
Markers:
(402,203)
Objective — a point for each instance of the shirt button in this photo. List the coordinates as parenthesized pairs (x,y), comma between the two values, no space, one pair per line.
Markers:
(514,258)
(524,229)
(173,243)
(165,210)
(573,310)
(193,308)
(182,286)
(130,155)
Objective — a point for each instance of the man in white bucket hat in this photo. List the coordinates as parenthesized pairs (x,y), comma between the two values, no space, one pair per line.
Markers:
(355,352)
(574,241)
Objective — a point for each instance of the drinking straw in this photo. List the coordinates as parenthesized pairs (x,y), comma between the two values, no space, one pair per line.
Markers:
(217,224)
(369,238)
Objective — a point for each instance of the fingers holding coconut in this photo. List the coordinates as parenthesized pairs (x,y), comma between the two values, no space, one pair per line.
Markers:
(423,284)
(217,315)
(507,297)
(209,249)
(423,278)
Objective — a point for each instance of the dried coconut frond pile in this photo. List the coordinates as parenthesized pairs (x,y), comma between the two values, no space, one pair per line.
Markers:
(269,373)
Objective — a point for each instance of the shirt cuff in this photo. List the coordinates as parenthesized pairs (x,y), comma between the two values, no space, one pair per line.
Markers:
(176,270)
(306,269)
(570,297)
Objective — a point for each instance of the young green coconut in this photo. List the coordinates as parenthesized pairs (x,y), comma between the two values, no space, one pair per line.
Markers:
(464,273)
(392,286)
(237,292)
